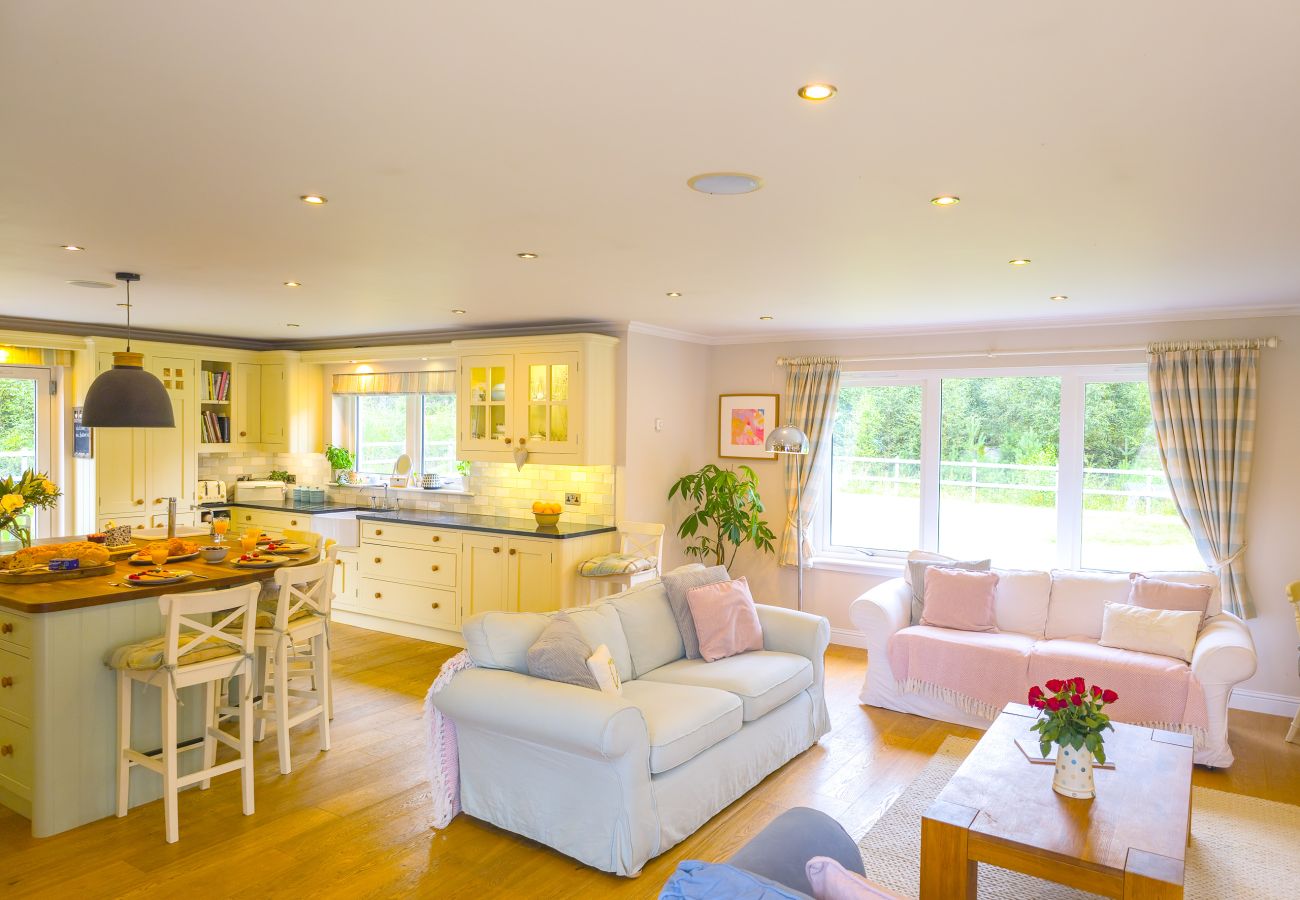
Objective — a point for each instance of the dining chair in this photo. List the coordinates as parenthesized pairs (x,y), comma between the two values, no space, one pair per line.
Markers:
(639,558)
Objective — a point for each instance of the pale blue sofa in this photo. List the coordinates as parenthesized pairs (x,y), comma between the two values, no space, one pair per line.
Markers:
(615,780)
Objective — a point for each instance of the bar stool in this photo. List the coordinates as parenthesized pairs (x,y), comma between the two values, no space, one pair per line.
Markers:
(190,652)
(292,641)
(640,557)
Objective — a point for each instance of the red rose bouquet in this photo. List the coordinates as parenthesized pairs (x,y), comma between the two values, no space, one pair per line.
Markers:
(1070,714)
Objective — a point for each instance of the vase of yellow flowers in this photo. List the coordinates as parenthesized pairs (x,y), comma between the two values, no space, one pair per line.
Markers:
(19,498)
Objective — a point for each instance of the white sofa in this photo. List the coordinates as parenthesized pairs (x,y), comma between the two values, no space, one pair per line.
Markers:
(1038,606)
(615,780)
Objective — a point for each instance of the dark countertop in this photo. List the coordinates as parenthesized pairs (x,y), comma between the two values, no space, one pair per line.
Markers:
(289,506)
(487,524)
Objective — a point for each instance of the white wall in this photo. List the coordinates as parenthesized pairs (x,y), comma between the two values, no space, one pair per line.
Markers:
(665,380)
(1273,518)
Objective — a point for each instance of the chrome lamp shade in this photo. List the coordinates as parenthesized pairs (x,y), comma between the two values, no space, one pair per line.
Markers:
(126,396)
(786,439)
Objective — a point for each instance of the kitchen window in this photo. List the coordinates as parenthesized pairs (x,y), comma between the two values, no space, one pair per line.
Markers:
(1032,468)
(383,418)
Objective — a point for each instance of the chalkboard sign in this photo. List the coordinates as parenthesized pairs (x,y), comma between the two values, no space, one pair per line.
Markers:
(83,437)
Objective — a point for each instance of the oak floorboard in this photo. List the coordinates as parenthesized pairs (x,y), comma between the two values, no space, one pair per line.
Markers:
(354,822)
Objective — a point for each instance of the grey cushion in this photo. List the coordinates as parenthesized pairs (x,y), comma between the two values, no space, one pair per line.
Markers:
(917,568)
(560,654)
(677,585)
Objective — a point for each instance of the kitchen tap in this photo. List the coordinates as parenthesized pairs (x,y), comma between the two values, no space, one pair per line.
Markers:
(171,518)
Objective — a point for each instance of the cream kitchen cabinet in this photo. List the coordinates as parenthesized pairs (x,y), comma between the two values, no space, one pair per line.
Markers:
(138,469)
(345,578)
(509,574)
(553,396)
(242,517)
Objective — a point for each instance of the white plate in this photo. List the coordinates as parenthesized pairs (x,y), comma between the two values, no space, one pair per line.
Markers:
(262,562)
(145,579)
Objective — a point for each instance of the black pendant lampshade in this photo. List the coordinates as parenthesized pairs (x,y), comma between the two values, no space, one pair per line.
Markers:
(126,396)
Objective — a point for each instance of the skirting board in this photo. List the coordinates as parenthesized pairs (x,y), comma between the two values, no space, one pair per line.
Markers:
(1242,698)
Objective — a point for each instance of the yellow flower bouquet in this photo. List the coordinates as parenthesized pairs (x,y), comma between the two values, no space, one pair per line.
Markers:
(19,498)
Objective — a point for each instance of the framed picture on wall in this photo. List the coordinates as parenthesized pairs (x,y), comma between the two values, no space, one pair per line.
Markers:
(744,422)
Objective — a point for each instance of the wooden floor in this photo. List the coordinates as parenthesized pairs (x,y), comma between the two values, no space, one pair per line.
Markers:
(354,822)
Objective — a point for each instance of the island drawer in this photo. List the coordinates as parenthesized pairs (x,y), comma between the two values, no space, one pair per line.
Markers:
(415,535)
(434,567)
(15,686)
(265,518)
(408,603)
(16,768)
(15,629)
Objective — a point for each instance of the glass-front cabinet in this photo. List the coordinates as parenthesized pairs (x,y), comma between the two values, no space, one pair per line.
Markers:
(551,386)
(487,402)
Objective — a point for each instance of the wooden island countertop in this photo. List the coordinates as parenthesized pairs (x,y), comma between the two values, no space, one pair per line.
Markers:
(80,593)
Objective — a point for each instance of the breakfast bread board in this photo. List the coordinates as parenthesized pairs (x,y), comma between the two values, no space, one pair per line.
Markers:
(43,573)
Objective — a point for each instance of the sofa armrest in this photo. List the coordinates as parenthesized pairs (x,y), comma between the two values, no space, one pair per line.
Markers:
(882,611)
(1224,651)
(791,631)
(564,716)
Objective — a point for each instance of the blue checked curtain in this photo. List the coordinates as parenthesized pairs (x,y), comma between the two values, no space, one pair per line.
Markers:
(812,387)
(1203,404)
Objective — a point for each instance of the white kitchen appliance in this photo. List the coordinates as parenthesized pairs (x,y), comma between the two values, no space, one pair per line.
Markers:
(258,492)
(212,492)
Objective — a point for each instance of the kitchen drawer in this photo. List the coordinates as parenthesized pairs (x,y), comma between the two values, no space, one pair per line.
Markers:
(15,629)
(16,757)
(408,603)
(415,535)
(433,567)
(269,519)
(15,686)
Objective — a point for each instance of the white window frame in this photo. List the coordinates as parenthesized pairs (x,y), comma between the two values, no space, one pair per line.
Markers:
(1069,505)
(43,520)
(414,432)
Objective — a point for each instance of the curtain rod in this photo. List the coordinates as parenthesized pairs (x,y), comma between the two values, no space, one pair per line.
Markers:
(1252,343)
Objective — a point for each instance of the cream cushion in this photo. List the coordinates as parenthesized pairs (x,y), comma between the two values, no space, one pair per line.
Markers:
(653,638)
(1021,600)
(761,679)
(1162,632)
(682,721)
(1078,600)
(151,654)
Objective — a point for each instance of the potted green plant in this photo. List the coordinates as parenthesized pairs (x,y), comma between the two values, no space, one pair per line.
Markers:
(341,460)
(1070,716)
(728,513)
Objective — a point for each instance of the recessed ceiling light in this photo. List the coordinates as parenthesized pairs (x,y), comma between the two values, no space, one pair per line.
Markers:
(313,199)
(674,294)
(125,305)
(1018,262)
(724,183)
(945,200)
(292,325)
(528,255)
(1059,298)
(817,91)
(458,312)
(73,247)
(293,284)
(765,318)
(77,282)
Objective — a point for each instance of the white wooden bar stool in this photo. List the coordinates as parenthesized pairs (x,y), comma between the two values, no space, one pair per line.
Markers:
(292,641)
(190,652)
(640,557)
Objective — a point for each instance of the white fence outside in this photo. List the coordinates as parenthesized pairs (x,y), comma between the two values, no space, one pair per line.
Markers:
(15,462)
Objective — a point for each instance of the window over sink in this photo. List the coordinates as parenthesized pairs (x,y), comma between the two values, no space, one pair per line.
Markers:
(385,415)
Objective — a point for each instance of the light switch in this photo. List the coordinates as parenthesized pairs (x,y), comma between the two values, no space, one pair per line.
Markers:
(659,424)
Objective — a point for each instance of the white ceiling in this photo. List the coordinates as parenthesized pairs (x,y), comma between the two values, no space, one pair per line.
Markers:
(1143,155)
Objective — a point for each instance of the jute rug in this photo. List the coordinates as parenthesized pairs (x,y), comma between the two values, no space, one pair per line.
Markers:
(1241,846)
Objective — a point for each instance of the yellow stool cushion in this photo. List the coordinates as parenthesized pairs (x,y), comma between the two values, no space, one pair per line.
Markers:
(150,654)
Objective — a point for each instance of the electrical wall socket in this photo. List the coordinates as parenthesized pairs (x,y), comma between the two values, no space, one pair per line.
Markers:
(572,499)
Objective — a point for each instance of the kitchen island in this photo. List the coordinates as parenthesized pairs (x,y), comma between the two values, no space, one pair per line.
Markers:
(58,712)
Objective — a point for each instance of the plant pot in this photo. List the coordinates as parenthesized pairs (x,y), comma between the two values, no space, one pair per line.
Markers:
(1073,777)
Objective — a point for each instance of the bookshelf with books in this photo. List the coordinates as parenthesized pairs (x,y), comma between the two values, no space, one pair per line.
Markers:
(214,402)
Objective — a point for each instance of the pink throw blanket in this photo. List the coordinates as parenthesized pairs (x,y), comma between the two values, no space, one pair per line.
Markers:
(980,672)
(444,759)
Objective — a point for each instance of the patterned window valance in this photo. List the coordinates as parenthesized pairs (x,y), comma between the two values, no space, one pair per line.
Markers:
(33,356)
(395,383)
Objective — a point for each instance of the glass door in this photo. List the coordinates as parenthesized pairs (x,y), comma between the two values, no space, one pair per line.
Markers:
(551,382)
(487,393)
(25,430)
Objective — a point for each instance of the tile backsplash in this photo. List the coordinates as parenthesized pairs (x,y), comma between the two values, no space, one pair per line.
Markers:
(492,489)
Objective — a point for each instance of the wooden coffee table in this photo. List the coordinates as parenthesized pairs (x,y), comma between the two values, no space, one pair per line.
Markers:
(999,808)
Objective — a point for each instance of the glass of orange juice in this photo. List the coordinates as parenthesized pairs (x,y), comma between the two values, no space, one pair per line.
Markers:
(248,540)
(219,528)
(158,554)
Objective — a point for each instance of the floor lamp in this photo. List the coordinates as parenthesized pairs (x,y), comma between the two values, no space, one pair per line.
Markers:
(790,441)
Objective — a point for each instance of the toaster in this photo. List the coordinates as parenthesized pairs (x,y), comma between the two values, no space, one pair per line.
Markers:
(212,492)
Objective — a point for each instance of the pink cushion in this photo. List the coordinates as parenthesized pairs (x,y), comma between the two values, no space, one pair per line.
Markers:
(725,619)
(1152,593)
(960,599)
(831,881)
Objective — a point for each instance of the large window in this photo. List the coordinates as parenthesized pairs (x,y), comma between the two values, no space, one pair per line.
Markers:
(1040,468)
(423,426)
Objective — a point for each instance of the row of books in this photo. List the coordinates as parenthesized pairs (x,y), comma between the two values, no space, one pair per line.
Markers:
(217,386)
(216,429)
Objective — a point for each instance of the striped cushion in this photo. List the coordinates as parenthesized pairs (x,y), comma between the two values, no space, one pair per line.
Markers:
(150,654)
(615,564)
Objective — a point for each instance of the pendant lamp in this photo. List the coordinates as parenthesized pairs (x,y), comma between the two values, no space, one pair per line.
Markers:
(126,396)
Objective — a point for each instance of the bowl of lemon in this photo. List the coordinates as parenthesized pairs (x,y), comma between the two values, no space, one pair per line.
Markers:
(546,514)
